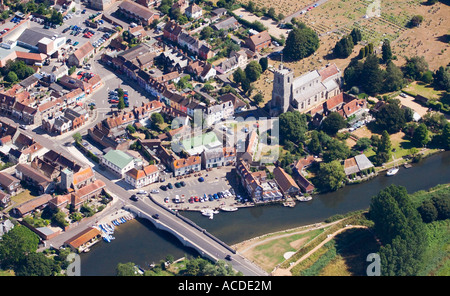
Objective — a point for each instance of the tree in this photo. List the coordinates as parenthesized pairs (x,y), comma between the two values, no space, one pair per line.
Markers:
(126,269)
(394,79)
(399,227)
(344,47)
(420,137)
(336,150)
(16,244)
(258,98)
(383,149)
(415,21)
(264,62)
(415,67)
(293,126)
(121,104)
(362,144)
(356,35)
(314,145)
(386,51)
(12,77)
(333,123)
(239,76)
(390,118)
(331,176)
(442,205)
(157,118)
(77,137)
(253,71)
(442,78)
(36,264)
(206,33)
(428,211)
(56,17)
(300,43)
(372,76)
(445,138)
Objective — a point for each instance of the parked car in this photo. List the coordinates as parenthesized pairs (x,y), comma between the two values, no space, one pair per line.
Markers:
(170,186)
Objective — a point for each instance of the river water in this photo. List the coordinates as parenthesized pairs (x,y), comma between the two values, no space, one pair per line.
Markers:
(140,242)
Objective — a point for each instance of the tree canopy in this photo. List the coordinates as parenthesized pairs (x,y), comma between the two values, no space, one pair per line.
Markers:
(293,126)
(331,176)
(301,42)
(398,225)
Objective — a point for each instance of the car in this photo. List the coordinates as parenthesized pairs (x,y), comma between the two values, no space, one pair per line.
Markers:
(23,126)
(134,197)
(142,192)
(196,199)
(83,11)
(201,179)
(68,41)
(182,183)
(76,43)
(178,185)
(170,186)
(403,95)
(228,257)
(156,216)
(163,187)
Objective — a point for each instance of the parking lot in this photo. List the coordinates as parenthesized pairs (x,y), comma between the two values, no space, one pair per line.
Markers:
(215,181)
(72,19)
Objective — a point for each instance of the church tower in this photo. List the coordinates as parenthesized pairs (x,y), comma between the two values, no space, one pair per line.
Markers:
(281,92)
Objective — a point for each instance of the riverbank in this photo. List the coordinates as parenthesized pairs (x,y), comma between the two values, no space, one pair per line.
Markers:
(151,245)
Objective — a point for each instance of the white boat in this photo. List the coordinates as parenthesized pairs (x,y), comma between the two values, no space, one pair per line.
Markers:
(304,198)
(209,213)
(394,170)
(229,209)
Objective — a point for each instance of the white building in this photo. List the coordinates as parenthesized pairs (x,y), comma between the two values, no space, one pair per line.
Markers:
(142,177)
(119,162)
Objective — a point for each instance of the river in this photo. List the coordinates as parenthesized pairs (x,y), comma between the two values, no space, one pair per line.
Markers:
(140,242)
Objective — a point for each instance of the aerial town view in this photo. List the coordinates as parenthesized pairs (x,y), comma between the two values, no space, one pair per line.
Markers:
(225,137)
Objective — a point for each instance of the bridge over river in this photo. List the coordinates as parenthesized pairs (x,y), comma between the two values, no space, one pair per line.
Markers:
(191,235)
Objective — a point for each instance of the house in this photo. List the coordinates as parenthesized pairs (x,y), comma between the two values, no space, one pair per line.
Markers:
(354,110)
(147,109)
(185,166)
(10,184)
(118,162)
(140,14)
(34,178)
(182,5)
(171,31)
(218,12)
(142,177)
(82,240)
(238,104)
(79,56)
(299,171)
(83,178)
(236,59)
(227,24)
(38,202)
(259,41)
(217,112)
(256,184)
(205,52)
(356,165)
(60,162)
(285,182)
(194,11)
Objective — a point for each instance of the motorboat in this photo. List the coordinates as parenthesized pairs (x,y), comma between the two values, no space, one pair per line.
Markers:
(229,209)
(392,171)
(304,198)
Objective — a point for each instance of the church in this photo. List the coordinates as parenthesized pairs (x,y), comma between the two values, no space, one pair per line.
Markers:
(304,92)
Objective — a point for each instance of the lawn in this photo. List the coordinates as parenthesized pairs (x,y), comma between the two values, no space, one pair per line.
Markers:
(425,90)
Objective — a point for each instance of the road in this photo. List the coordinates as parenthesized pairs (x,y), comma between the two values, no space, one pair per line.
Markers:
(298,13)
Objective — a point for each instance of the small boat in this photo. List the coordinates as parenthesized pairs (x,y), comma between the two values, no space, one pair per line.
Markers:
(123,220)
(393,170)
(304,198)
(208,213)
(229,209)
